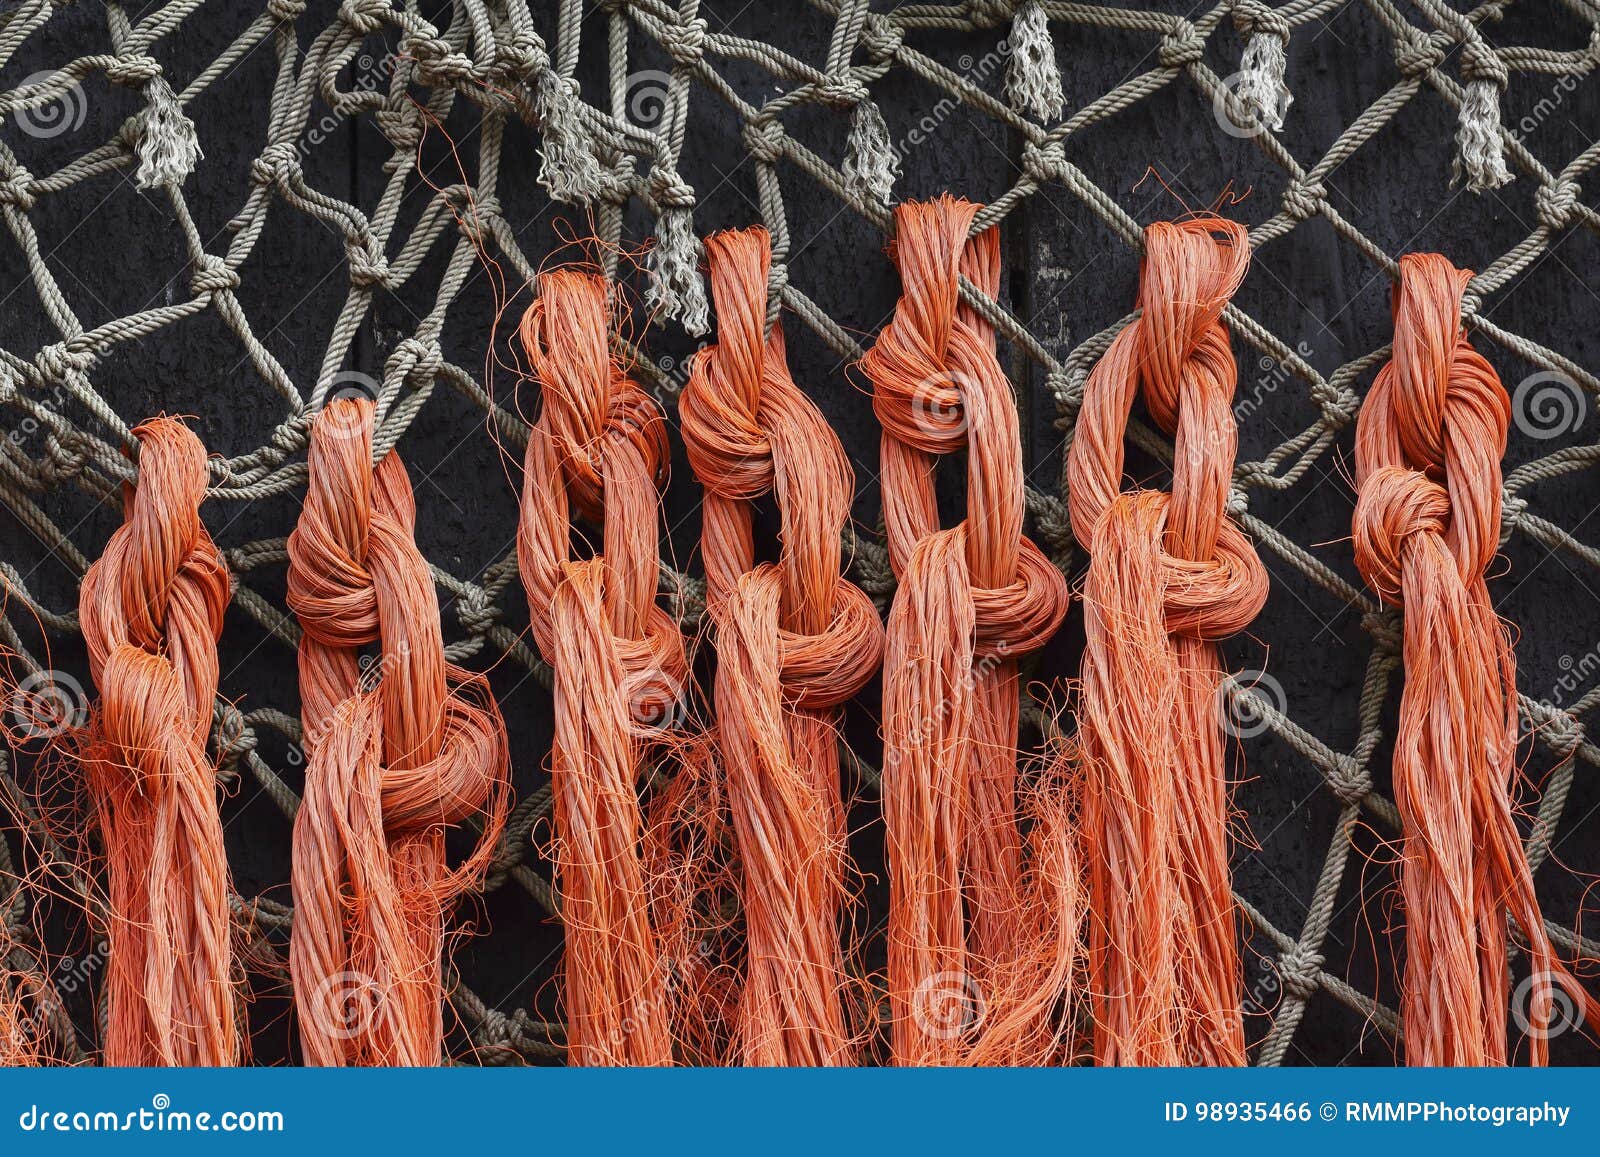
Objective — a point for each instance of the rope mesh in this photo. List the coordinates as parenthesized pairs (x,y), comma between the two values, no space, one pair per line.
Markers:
(608,95)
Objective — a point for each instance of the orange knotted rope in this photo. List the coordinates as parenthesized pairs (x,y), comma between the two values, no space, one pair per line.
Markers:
(980,951)
(152,610)
(794,641)
(1427,524)
(600,447)
(399,749)
(1169,574)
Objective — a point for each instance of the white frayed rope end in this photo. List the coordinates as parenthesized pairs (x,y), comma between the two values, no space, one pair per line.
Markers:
(1480,155)
(870,162)
(675,286)
(1262,88)
(1033,79)
(165,139)
(568,169)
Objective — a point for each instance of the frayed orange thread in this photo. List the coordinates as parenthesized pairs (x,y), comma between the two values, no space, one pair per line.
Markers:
(398,751)
(1427,525)
(599,448)
(980,951)
(795,640)
(152,610)
(1169,575)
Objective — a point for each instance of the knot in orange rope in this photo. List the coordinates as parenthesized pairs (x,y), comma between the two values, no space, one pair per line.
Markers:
(748,430)
(1436,409)
(152,610)
(156,598)
(401,745)
(1169,574)
(1427,520)
(1176,356)
(794,640)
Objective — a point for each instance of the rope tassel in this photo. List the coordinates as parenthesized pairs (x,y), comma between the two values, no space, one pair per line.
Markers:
(1033,78)
(568,168)
(165,137)
(871,165)
(1262,88)
(1480,153)
(396,752)
(1169,574)
(794,641)
(599,448)
(152,610)
(982,924)
(675,285)
(1429,442)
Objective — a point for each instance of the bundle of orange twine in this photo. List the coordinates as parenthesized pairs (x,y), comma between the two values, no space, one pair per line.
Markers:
(982,931)
(600,448)
(1427,524)
(152,610)
(794,641)
(1169,575)
(401,746)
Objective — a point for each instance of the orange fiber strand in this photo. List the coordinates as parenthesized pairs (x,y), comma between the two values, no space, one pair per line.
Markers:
(1169,575)
(795,640)
(965,928)
(1427,525)
(398,750)
(152,610)
(600,448)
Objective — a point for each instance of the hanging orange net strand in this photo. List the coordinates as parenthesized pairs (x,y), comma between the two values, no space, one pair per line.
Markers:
(599,448)
(794,641)
(152,610)
(399,749)
(1169,575)
(981,949)
(1427,525)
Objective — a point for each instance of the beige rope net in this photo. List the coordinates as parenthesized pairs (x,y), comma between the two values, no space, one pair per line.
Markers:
(638,115)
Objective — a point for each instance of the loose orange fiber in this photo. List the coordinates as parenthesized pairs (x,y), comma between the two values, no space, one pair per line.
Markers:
(1427,524)
(982,946)
(794,641)
(152,610)
(398,751)
(1169,574)
(600,448)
